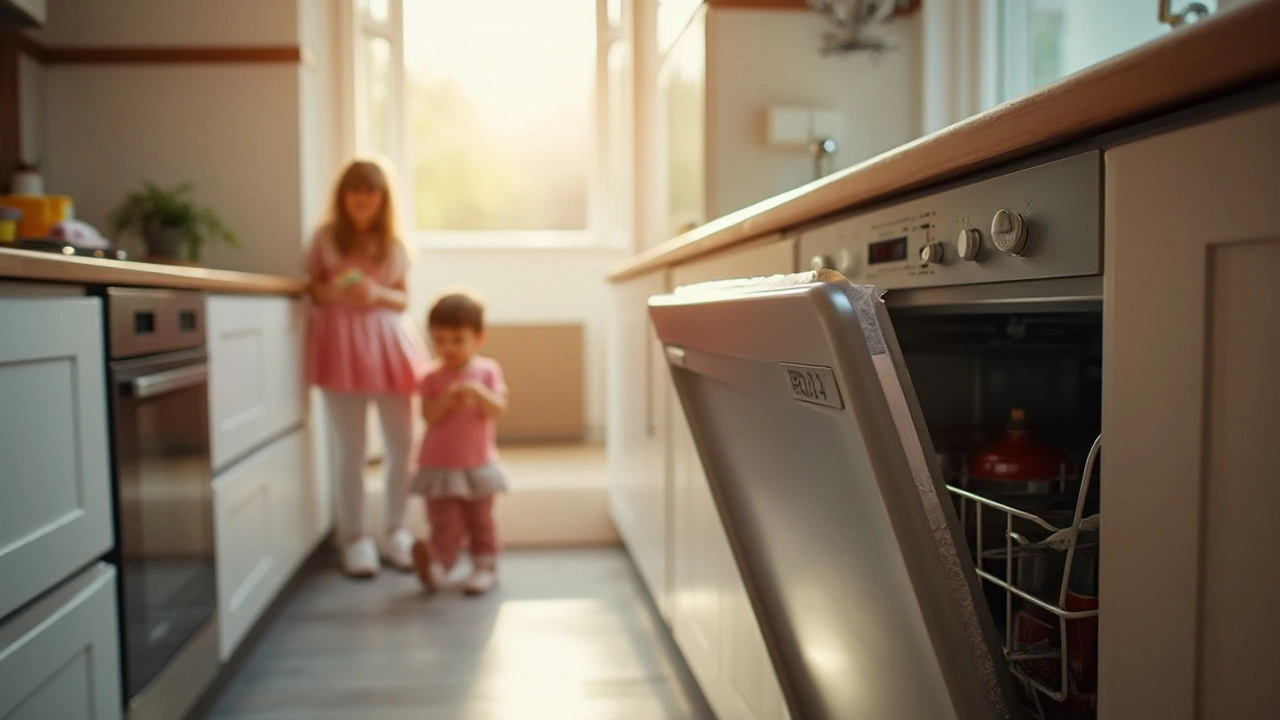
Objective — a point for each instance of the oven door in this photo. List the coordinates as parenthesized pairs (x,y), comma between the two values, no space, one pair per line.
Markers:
(826,482)
(164,505)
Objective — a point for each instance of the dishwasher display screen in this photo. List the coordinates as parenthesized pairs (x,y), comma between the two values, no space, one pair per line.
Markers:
(894,250)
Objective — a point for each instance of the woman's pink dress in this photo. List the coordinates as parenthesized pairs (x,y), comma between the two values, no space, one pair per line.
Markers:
(361,350)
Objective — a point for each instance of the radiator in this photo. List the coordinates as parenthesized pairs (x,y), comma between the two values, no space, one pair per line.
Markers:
(544,369)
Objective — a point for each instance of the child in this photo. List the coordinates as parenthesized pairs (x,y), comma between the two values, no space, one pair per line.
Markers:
(462,396)
(360,351)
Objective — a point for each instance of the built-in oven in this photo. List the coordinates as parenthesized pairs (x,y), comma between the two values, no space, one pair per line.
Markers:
(904,448)
(163,498)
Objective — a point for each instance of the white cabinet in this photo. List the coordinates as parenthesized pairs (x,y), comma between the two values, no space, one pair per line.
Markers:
(711,615)
(266,521)
(55,507)
(1191,410)
(59,657)
(256,381)
(638,386)
(270,509)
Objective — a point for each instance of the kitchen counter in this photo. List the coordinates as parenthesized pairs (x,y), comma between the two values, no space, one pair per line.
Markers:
(1224,53)
(30,265)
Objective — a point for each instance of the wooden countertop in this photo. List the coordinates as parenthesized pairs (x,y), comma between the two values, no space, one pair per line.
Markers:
(1226,52)
(30,265)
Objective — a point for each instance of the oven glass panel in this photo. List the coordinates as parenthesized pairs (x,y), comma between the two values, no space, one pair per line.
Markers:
(165,506)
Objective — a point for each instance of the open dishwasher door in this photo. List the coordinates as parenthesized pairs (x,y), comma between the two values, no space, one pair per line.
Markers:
(824,477)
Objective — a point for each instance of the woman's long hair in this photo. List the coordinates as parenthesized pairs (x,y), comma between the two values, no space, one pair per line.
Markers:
(364,175)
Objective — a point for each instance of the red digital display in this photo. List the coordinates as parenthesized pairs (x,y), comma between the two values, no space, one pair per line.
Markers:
(894,250)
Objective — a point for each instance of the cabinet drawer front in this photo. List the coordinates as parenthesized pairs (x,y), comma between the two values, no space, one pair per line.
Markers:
(259,524)
(256,385)
(55,512)
(59,658)
(295,500)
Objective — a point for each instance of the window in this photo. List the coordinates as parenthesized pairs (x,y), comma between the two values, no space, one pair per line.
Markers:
(1041,41)
(377,104)
(501,116)
(500,98)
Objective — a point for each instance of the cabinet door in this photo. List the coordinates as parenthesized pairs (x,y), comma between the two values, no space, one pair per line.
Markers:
(1191,410)
(295,498)
(256,380)
(711,616)
(265,525)
(55,507)
(637,433)
(60,657)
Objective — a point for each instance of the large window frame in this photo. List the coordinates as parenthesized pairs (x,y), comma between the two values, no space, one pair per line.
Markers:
(608,192)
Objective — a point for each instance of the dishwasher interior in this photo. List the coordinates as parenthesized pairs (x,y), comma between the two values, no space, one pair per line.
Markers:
(1012,403)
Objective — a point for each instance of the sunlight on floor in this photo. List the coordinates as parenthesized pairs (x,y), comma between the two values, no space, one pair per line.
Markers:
(559,497)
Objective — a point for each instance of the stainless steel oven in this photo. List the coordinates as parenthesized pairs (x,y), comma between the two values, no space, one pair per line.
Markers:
(865,429)
(163,498)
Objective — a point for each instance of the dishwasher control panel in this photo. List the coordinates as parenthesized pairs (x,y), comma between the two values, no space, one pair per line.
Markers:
(1040,222)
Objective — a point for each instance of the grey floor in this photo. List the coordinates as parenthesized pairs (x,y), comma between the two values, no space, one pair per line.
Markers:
(567,635)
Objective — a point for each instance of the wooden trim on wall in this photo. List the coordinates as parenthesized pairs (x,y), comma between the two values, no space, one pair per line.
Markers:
(760,4)
(291,54)
(28,45)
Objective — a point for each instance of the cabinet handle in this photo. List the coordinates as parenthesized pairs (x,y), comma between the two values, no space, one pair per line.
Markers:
(167,381)
(1194,11)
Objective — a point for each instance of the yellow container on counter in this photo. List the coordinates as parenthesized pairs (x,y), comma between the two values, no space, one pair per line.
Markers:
(9,224)
(39,212)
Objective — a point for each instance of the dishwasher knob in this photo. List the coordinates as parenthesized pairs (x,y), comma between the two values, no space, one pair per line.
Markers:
(969,243)
(1009,232)
(932,253)
(821,262)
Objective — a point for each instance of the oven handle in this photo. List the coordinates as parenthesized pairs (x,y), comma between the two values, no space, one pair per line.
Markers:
(167,381)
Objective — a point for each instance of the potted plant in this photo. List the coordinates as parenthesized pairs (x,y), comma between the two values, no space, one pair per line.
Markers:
(170,223)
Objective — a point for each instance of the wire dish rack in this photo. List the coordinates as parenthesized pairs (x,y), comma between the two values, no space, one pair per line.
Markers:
(1051,642)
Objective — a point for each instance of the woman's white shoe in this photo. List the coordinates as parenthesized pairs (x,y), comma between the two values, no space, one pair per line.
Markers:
(360,558)
(397,550)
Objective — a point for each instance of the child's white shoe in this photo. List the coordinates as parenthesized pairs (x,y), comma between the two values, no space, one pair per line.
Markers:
(360,558)
(430,573)
(481,581)
(397,550)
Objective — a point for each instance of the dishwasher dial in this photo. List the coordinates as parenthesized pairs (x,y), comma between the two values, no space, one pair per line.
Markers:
(932,253)
(842,262)
(1009,232)
(969,243)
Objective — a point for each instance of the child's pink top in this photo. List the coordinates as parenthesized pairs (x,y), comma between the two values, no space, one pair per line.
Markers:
(464,438)
(365,350)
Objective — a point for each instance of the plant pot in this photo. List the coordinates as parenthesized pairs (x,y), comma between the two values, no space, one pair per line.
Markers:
(165,242)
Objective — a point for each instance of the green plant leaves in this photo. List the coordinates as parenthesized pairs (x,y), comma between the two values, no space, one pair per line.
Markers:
(152,208)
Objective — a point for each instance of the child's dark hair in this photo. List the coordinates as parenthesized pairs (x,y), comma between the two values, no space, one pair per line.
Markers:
(457,310)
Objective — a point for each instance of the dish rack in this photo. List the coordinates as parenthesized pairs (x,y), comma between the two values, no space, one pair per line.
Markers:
(1028,533)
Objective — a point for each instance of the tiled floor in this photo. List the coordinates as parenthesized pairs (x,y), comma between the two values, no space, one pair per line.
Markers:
(568,635)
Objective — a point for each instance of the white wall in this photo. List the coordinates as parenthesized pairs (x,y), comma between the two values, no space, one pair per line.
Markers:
(761,58)
(230,130)
(31,108)
(320,122)
(531,286)
(258,140)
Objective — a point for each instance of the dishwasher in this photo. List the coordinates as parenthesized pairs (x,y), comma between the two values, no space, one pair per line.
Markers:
(904,447)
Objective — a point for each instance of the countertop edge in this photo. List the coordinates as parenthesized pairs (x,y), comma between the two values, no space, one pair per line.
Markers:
(25,265)
(1161,76)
